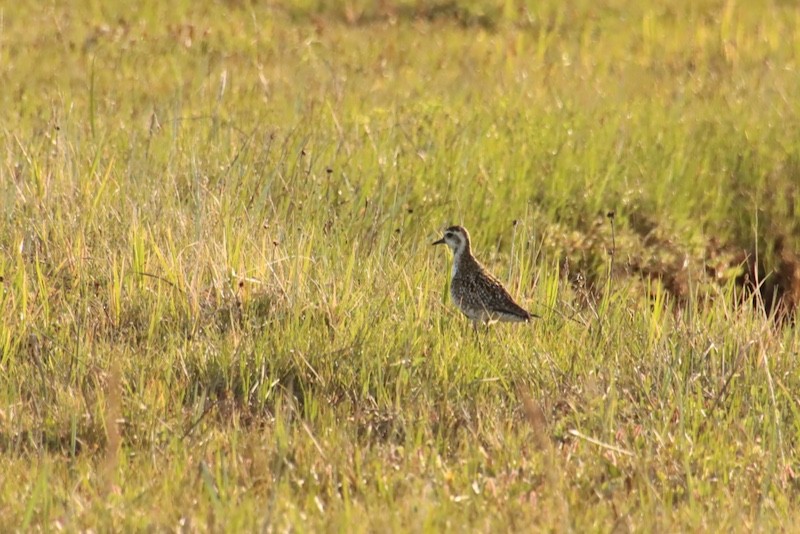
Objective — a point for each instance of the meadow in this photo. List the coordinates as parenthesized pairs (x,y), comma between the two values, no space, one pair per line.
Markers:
(220,310)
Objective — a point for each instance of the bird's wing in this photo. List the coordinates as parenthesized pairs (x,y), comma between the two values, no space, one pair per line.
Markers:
(491,295)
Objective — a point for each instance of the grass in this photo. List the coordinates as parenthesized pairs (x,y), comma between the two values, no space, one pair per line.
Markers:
(220,310)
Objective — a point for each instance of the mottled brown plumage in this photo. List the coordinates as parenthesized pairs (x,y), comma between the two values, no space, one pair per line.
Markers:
(478,294)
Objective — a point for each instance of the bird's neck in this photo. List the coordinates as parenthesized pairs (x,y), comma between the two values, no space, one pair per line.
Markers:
(461,257)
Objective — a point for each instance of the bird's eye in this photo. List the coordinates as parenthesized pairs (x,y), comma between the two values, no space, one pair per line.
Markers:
(449,234)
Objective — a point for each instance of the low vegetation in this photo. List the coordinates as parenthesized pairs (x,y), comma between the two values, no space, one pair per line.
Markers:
(219,309)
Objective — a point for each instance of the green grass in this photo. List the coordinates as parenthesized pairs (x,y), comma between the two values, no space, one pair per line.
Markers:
(219,309)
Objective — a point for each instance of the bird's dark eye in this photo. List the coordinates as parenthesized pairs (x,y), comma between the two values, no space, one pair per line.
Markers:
(448,234)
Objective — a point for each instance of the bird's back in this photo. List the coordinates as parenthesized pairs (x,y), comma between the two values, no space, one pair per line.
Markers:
(480,296)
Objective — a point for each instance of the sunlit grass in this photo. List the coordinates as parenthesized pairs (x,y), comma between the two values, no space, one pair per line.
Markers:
(220,309)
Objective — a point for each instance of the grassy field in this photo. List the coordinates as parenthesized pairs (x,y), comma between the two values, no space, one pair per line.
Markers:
(220,309)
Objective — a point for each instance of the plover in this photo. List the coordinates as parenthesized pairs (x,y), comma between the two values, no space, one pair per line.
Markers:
(478,294)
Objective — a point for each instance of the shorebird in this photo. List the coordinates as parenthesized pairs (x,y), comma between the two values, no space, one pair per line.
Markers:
(479,295)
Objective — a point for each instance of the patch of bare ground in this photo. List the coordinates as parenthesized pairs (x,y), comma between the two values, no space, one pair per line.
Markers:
(643,250)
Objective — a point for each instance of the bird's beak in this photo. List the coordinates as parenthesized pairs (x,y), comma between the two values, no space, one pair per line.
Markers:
(440,242)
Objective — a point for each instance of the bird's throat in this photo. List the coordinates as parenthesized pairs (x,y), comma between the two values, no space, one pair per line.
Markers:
(458,259)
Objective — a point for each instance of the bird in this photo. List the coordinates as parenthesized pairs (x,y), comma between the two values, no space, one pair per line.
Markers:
(479,295)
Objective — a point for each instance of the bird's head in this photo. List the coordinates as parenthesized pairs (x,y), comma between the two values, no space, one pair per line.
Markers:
(455,237)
